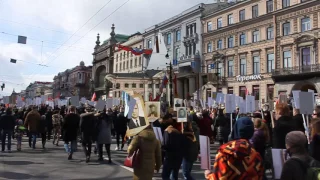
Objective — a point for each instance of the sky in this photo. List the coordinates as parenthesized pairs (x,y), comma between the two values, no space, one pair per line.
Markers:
(61,33)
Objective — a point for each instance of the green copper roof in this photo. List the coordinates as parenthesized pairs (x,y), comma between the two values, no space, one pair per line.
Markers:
(119,38)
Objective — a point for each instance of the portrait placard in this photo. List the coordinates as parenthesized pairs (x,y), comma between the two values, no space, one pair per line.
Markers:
(152,110)
(177,103)
(182,114)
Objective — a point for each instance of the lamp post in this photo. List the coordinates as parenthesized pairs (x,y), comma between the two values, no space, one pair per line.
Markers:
(170,81)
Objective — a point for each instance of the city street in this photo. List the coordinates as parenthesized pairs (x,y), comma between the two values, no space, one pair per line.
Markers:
(52,163)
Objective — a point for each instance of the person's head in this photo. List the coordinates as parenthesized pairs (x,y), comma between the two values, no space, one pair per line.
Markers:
(243,128)
(282,109)
(315,127)
(8,111)
(20,122)
(316,112)
(182,113)
(122,109)
(152,108)
(205,114)
(56,112)
(259,124)
(296,142)
(190,108)
(167,119)
(135,113)
(72,109)
(265,107)
(296,111)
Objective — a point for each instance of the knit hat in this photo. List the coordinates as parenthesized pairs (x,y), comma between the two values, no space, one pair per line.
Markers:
(243,129)
(296,139)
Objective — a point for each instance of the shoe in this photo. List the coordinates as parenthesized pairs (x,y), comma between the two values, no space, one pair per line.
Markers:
(117,149)
(69,156)
(87,159)
(19,149)
(121,149)
(109,161)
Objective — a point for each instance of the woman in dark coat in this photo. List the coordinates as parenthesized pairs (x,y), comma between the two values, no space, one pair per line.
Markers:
(70,131)
(221,124)
(43,130)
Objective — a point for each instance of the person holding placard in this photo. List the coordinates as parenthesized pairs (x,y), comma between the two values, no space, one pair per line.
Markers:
(315,139)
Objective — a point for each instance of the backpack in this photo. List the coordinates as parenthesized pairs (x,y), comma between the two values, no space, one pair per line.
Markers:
(312,170)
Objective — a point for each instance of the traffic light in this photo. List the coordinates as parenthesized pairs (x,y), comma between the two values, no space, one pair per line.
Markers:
(3,86)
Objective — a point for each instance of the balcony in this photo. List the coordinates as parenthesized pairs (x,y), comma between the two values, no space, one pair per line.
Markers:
(191,37)
(290,74)
(80,83)
(215,80)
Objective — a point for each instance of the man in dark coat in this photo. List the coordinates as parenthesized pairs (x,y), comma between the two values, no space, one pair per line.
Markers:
(120,126)
(70,129)
(49,122)
(87,129)
(32,123)
(7,123)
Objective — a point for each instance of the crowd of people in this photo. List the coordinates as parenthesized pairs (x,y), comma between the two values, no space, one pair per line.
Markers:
(243,153)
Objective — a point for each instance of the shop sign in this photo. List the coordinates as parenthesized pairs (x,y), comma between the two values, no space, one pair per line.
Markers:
(249,78)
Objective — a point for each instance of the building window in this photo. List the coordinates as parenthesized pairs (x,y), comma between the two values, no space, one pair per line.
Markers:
(120,67)
(305,53)
(126,85)
(230,42)
(177,53)
(287,63)
(256,92)
(157,86)
(135,62)
(219,44)
(124,65)
(128,65)
(169,39)
(190,49)
(134,85)
(209,26)
(219,23)
(120,56)
(131,63)
(270,91)
(118,85)
(220,70)
(230,19)
(255,36)
(269,6)
(194,48)
(242,39)
(230,68)
(242,15)
(149,46)
(141,85)
(256,65)
(255,11)
(230,90)
(270,33)
(271,64)
(243,67)
(242,91)
(286,29)
(178,35)
(127,54)
(150,86)
(285,3)
(209,47)
(140,61)
(305,24)
(116,67)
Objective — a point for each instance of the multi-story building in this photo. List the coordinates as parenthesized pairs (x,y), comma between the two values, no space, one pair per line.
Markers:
(75,81)
(182,38)
(126,62)
(37,89)
(103,62)
(262,46)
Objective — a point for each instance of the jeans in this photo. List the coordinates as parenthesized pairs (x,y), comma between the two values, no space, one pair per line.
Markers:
(33,139)
(3,139)
(72,148)
(186,169)
(169,171)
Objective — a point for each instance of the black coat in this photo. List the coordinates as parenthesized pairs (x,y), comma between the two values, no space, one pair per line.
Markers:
(49,119)
(42,125)
(70,127)
(282,127)
(121,123)
(87,127)
(174,146)
(7,122)
(315,147)
(298,121)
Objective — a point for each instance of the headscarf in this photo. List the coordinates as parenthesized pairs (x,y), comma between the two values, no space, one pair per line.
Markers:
(243,129)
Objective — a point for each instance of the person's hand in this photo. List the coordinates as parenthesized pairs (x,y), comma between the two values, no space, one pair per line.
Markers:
(206,173)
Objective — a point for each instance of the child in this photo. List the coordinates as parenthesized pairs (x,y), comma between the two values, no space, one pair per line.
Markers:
(19,129)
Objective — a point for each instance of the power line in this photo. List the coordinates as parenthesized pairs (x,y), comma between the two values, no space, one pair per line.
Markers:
(89,31)
(79,28)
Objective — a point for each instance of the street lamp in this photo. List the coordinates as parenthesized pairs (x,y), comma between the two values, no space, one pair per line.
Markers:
(170,81)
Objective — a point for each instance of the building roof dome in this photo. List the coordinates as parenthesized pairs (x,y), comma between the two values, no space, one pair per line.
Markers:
(81,63)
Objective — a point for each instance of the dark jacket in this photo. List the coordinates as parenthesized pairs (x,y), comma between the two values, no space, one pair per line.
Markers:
(282,127)
(87,126)
(49,119)
(7,122)
(315,147)
(298,121)
(70,127)
(32,121)
(258,141)
(42,128)
(295,168)
(121,122)
(174,146)
(221,126)
(191,149)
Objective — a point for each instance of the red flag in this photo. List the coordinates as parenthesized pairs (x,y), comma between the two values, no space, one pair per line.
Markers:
(247,91)
(93,97)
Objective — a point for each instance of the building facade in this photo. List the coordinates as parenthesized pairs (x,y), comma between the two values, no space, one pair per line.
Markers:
(37,89)
(126,62)
(75,81)
(252,46)
(103,62)
(182,38)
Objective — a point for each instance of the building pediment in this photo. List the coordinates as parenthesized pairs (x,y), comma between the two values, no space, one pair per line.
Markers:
(306,38)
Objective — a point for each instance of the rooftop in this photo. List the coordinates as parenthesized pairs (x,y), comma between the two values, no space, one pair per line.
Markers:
(119,38)
(147,73)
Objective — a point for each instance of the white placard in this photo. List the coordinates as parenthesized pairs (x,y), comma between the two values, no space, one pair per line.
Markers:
(109,103)
(100,105)
(182,114)
(210,102)
(230,103)
(83,100)
(250,104)
(177,103)
(296,99)
(205,152)
(306,99)
(278,159)
(220,98)
(74,100)
(312,91)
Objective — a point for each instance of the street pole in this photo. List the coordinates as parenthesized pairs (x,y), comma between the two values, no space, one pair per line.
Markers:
(171,89)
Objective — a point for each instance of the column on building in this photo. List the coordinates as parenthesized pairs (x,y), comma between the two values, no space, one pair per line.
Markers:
(154,92)
(192,85)
(185,88)
(180,88)
(146,92)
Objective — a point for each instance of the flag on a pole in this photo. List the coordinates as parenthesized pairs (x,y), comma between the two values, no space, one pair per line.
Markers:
(22,39)
(94,97)
(13,60)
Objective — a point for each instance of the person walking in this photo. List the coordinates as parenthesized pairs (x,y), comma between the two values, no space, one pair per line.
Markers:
(104,126)
(32,121)
(87,129)
(56,123)
(120,125)
(150,156)
(7,124)
(43,130)
(70,128)
(49,122)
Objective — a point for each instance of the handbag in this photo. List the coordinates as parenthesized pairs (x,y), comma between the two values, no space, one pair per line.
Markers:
(133,160)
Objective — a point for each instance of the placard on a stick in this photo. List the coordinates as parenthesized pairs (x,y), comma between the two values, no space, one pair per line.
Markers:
(306,98)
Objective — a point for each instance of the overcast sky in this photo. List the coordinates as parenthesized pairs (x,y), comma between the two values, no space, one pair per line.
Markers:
(53,22)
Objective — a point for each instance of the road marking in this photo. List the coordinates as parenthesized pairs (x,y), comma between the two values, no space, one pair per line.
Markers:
(119,164)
